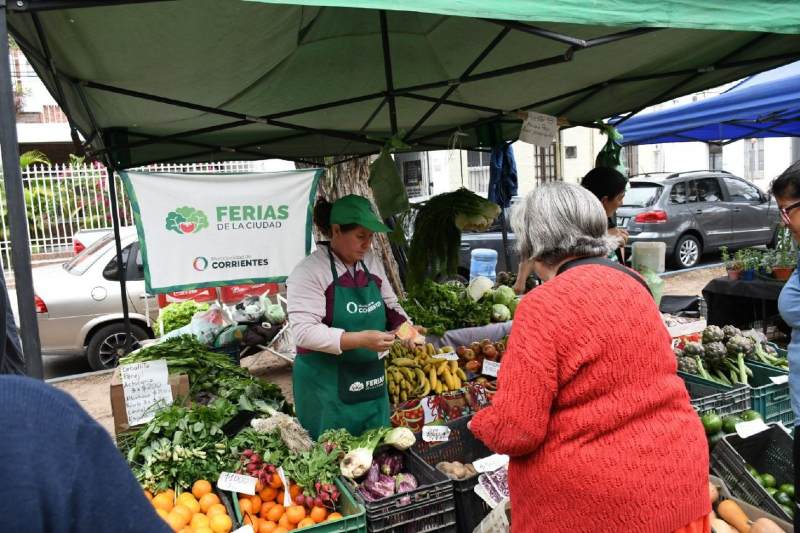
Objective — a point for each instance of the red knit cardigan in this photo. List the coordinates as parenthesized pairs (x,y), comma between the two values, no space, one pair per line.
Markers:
(598,425)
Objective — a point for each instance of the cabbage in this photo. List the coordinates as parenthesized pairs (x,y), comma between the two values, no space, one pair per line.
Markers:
(478,287)
(500,313)
(504,295)
(512,307)
(400,438)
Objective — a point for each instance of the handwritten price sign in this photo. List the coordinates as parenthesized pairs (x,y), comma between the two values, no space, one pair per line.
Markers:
(435,433)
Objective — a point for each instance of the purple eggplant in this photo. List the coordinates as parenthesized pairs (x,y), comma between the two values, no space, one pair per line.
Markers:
(405,483)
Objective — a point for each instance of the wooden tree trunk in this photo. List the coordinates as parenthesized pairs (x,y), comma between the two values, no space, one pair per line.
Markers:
(352,177)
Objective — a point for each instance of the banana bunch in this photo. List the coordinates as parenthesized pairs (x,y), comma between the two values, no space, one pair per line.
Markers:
(415,372)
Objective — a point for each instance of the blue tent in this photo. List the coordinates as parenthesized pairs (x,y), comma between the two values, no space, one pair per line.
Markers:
(765,105)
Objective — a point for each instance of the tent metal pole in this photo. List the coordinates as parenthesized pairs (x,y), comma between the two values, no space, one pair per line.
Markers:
(49,5)
(539,32)
(433,99)
(387,68)
(469,70)
(17,212)
(122,265)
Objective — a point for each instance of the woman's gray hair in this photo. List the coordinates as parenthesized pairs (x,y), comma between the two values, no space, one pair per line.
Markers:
(560,220)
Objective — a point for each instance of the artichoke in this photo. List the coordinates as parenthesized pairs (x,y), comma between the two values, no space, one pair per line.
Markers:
(692,349)
(730,332)
(715,355)
(687,365)
(740,345)
(678,352)
(713,334)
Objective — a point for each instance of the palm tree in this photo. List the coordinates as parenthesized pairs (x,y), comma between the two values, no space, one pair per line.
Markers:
(33,157)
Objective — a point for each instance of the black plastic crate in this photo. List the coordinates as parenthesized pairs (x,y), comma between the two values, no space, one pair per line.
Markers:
(707,396)
(464,448)
(430,507)
(769,451)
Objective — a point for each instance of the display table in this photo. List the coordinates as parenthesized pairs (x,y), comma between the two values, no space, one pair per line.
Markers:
(743,304)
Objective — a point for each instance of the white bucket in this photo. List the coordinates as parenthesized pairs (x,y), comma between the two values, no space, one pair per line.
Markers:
(649,255)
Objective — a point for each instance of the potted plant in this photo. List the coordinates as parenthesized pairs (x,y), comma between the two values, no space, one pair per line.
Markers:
(732,266)
(785,263)
(751,261)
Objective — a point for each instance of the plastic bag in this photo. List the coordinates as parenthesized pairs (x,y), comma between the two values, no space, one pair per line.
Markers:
(654,282)
(497,521)
(387,186)
(205,325)
(250,309)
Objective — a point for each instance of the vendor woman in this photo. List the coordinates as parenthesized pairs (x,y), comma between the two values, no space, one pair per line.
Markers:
(342,312)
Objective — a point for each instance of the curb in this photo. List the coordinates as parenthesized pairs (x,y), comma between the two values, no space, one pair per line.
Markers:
(686,270)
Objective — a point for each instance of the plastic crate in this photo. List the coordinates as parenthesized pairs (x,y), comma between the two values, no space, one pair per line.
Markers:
(692,378)
(769,451)
(464,448)
(771,400)
(429,507)
(354,514)
(708,396)
(232,351)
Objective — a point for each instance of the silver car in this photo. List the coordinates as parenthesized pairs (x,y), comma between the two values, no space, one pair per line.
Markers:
(79,305)
(697,212)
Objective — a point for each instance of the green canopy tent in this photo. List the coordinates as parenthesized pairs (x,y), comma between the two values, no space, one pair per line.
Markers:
(192,80)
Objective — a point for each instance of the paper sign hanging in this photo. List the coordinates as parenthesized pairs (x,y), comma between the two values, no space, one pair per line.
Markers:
(539,129)
(209,230)
(435,433)
(146,389)
(237,483)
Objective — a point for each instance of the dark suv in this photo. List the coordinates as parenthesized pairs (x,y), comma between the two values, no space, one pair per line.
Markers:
(492,239)
(697,212)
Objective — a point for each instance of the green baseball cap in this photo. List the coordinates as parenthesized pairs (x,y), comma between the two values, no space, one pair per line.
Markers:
(354,209)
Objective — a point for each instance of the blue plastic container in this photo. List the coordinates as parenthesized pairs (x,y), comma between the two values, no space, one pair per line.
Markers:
(483,262)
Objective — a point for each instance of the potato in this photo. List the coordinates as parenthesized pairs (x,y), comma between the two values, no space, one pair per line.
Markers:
(459,471)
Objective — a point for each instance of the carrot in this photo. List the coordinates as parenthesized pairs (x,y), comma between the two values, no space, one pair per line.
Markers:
(730,511)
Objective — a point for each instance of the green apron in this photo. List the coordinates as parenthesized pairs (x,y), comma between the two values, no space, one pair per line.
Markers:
(348,390)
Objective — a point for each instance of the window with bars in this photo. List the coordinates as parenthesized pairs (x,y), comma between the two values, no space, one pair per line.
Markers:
(545,160)
(478,159)
(630,156)
(715,157)
(754,158)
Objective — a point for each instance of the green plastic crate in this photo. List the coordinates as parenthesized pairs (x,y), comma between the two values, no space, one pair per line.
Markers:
(772,400)
(355,517)
(707,396)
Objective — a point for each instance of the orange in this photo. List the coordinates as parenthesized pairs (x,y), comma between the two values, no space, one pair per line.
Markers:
(279,497)
(200,488)
(187,529)
(267,526)
(182,511)
(203,530)
(148,494)
(265,507)
(268,494)
(162,513)
(334,516)
(175,521)
(171,493)
(245,506)
(163,501)
(275,513)
(259,486)
(207,501)
(296,513)
(318,514)
(191,503)
(183,496)
(305,522)
(253,520)
(284,521)
(280,529)
(216,509)
(199,520)
(294,490)
(221,524)
(275,482)
(256,501)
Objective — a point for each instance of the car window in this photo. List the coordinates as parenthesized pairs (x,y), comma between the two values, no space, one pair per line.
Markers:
(642,195)
(705,190)
(136,271)
(111,272)
(741,191)
(678,194)
(84,260)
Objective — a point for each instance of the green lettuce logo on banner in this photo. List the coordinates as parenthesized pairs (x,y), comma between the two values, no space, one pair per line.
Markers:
(186,220)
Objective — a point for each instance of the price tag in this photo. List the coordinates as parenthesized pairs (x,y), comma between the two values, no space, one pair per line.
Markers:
(491,463)
(490,368)
(287,497)
(237,483)
(146,389)
(446,356)
(435,433)
(750,428)
(245,529)
(539,129)
(780,380)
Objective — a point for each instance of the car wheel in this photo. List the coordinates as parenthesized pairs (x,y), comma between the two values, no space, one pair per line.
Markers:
(688,251)
(107,345)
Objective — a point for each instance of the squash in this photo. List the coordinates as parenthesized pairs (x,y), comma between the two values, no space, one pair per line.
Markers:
(730,511)
(765,525)
(721,526)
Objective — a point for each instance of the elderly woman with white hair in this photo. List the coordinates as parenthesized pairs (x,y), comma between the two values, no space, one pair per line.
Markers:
(589,407)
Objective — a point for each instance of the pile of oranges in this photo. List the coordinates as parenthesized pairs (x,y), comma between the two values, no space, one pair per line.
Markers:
(198,511)
(266,513)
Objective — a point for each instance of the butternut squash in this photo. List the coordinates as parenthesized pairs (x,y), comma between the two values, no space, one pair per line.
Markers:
(765,525)
(730,511)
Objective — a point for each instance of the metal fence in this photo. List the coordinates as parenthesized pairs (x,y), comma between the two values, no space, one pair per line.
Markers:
(62,200)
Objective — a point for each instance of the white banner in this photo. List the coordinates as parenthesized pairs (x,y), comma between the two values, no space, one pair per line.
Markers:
(207,230)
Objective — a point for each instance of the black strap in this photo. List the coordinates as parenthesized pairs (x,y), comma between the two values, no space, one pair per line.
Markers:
(603,261)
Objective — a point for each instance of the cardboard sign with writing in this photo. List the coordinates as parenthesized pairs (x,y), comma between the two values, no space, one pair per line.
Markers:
(539,129)
(237,483)
(146,388)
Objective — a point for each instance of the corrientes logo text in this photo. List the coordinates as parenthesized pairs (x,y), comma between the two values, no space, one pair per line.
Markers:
(200,264)
(186,220)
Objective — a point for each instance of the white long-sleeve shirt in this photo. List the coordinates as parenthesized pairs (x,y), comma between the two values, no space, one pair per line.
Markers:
(308,290)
